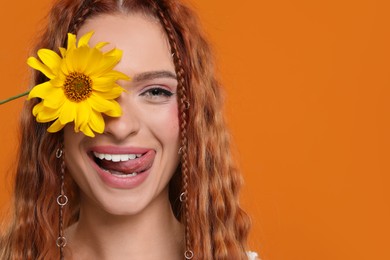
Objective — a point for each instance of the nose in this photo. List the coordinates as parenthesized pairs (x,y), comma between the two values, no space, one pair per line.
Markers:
(128,124)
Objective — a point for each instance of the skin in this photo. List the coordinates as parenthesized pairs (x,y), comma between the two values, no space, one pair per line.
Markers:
(130,223)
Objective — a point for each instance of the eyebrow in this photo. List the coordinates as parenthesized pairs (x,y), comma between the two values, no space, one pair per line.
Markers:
(153,75)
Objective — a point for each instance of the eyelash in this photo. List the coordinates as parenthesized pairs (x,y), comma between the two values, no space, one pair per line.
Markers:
(157,92)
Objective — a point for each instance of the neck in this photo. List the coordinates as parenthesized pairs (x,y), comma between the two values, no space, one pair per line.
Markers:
(153,233)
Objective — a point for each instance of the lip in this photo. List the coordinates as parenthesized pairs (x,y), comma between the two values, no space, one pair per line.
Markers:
(113,181)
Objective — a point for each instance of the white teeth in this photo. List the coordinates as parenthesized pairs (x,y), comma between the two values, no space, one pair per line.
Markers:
(124,157)
(116,157)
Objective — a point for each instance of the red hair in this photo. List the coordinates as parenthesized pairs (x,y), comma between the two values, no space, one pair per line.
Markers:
(216,226)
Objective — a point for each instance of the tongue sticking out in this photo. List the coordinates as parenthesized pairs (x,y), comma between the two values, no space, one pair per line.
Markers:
(131,166)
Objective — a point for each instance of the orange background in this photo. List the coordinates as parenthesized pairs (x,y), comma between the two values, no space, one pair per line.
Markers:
(307,87)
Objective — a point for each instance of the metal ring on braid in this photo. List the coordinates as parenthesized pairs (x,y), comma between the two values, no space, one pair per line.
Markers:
(183,112)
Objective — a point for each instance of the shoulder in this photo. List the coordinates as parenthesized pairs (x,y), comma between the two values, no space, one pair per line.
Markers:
(252,255)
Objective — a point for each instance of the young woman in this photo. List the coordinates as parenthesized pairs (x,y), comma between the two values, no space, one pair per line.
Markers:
(124,151)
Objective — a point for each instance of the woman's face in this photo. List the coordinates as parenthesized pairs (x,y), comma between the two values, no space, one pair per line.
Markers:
(128,167)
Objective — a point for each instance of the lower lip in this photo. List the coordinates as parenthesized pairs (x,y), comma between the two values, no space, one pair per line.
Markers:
(113,181)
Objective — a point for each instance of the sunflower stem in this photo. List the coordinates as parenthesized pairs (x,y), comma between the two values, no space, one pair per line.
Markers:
(14,97)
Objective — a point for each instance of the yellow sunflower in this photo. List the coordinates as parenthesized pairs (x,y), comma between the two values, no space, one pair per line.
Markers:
(82,85)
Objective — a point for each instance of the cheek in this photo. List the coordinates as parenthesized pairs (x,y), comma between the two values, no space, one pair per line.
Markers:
(174,123)
(173,119)
(70,139)
(165,124)
(72,144)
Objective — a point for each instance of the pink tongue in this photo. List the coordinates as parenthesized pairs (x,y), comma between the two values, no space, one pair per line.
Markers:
(137,165)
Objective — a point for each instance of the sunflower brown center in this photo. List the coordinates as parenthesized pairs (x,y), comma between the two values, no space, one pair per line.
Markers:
(77,87)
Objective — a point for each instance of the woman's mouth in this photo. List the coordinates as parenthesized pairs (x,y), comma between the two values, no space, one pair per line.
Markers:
(116,163)
(122,166)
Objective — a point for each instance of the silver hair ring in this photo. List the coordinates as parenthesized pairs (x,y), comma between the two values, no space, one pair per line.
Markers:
(180,150)
(64,198)
(186,104)
(182,196)
(188,254)
(59,153)
(61,241)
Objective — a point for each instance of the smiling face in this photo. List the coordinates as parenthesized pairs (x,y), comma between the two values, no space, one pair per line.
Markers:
(128,167)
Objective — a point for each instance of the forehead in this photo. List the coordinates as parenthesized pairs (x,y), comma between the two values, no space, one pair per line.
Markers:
(141,38)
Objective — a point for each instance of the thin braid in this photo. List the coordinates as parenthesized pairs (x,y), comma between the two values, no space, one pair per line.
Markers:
(184,106)
(82,14)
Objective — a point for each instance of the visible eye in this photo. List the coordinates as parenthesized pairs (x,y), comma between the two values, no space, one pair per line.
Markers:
(157,94)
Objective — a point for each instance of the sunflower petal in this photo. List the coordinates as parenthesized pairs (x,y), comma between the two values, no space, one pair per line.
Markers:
(70,61)
(63,52)
(37,108)
(104,66)
(47,115)
(114,53)
(87,131)
(55,100)
(64,68)
(100,104)
(68,112)
(103,81)
(116,75)
(97,122)
(85,39)
(79,58)
(100,45)
(114,93)
(83,113)
(36,64)
(94,58)
(71,41)
(58,82)
(40,90)
(50,59)
(55,127)
(114,112)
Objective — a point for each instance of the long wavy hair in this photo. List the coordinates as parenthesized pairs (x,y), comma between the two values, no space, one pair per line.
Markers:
(215,225)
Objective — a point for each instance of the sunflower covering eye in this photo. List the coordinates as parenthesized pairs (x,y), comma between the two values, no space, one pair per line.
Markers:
(82,85)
